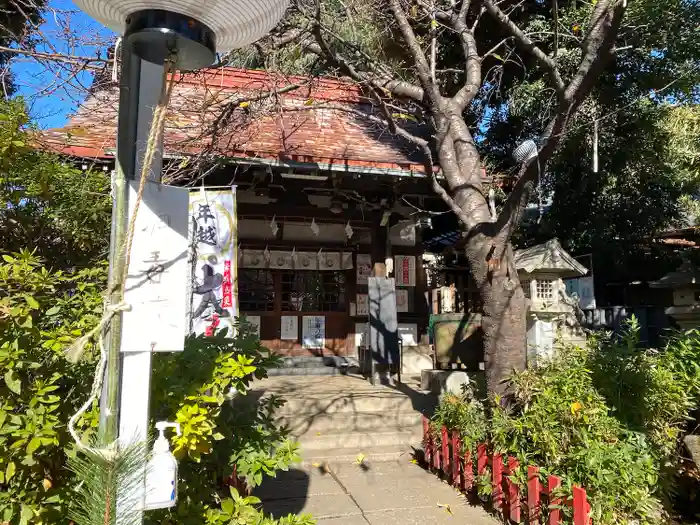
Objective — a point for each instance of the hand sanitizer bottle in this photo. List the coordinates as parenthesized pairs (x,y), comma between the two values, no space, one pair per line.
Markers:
(161,472)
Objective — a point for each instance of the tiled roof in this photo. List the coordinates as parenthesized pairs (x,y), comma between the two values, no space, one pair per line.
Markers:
(256,130)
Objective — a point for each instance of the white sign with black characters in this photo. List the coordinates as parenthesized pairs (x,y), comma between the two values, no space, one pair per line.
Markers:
(156,282)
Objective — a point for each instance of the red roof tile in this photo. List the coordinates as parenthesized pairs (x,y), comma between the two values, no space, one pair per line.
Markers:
(258,130)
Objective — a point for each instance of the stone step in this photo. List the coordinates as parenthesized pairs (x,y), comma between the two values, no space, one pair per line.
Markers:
(303,425)
(312,458)
(360,440)
(304,371)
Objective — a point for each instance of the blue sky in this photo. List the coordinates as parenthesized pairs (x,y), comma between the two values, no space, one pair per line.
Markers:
(53,91)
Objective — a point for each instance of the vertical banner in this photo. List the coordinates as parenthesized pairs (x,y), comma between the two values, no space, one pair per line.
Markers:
(214,265)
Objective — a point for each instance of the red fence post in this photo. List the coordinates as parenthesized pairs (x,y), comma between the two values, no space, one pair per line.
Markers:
(468,478)
(426,441)
(553,482)
(497,482)
(513,491)
(435,453)
(456,451)
(445,451)
(581,507)
(534,489)
(481,459)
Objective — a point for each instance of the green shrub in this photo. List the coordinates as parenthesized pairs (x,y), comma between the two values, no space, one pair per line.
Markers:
(609,418)
(41,313)
(203,388)
(560,422)
(462,412)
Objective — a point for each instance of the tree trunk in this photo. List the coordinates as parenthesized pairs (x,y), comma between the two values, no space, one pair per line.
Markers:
(504,312)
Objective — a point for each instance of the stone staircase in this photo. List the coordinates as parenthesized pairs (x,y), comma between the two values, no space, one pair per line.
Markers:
(337,418)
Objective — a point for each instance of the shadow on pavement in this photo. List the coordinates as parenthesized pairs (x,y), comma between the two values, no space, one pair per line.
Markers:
(285,494)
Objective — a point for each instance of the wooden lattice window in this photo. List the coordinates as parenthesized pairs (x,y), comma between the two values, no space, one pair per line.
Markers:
(313,291)
(256,290)
(545,289)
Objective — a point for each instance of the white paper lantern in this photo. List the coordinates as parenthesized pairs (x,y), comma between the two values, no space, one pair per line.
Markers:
(236,23)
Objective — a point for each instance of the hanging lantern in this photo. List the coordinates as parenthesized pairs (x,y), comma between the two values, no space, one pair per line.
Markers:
(525,152)
(194,30)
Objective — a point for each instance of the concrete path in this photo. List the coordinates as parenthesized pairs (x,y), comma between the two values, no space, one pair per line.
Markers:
(381,493)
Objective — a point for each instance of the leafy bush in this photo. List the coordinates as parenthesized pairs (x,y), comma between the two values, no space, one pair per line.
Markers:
(238,510)
(203,388)
(461,412)
(609,418)
(44,199)
(41,312)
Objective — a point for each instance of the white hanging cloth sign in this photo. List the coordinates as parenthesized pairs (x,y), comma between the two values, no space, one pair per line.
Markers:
(213,300)
(157,277)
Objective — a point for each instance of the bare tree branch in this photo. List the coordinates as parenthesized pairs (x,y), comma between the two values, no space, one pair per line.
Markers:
(545,61)
(421,62)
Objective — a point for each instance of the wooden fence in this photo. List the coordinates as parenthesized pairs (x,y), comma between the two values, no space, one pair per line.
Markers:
(516,504)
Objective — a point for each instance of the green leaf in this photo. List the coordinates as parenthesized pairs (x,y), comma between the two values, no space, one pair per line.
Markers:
(10,471)
(12,382)
(227,506)
(33,303)
(34,444)
(25,515)
(9,259)
(53,311)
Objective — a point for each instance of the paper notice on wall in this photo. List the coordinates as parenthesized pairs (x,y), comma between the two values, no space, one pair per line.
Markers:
(156,284)
(213,300)
(290,328)
(314,332)
(408,332)
(364,268)
(402,301)
(362,304)
(405,270)
(255,322)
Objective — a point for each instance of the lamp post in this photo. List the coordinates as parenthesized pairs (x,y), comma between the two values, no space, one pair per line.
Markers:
(188,33)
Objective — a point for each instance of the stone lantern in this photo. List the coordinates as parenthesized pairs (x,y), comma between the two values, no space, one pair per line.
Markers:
(552,313)
(685,283)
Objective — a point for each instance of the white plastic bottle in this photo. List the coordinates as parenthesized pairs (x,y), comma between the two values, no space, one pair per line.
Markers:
(161,472)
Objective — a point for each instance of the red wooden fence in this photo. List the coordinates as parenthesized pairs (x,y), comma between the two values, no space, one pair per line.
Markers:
(516,504)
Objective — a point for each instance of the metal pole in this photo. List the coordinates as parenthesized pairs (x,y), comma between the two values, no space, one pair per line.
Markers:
(125,171)
(124,411)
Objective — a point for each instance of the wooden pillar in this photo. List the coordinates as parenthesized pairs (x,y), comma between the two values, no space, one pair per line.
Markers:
(378,251)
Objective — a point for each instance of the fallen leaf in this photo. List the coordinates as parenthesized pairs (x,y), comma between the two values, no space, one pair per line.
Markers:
(360,459)
(414,461)
(318,433)
(445,506)
(315,465)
